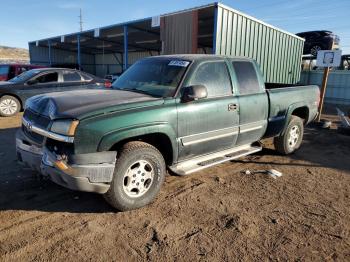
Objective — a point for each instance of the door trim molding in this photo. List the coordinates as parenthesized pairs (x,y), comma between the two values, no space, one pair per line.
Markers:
(210,135)
(221,133)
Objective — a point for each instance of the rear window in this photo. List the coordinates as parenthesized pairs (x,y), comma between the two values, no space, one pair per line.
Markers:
(247,78)
(4,70)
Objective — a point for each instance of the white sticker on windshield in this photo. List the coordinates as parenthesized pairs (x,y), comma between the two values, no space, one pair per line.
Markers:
(179,63)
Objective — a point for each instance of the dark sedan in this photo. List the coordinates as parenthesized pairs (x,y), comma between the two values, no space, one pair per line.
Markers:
(319,40)
(16,91)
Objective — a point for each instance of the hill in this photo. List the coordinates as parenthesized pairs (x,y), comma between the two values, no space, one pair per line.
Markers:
(13,54)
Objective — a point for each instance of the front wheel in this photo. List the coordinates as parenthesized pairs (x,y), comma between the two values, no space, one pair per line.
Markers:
(291,139)
(139,173)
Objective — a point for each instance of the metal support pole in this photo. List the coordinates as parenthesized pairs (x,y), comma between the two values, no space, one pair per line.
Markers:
(79,58)
(215,27)
(125,59)
(323,92)
(49,44)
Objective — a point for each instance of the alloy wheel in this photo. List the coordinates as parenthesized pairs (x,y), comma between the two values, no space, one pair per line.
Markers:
(8,106)
(138,178)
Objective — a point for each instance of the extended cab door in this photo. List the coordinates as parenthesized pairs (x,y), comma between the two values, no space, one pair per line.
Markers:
(210,124)
(253,102)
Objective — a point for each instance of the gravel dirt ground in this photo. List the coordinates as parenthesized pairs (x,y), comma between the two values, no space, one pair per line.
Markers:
(218,214)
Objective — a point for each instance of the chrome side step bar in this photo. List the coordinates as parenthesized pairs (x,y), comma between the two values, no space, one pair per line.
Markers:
(193,165)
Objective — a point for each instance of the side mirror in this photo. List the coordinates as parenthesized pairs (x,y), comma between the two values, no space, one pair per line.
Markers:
(32,82)
(193,93)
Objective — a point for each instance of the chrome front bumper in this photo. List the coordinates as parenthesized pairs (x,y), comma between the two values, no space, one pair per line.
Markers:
(28,154)
(86,172)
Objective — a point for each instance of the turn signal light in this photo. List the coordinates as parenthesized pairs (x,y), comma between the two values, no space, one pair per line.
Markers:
(61,165)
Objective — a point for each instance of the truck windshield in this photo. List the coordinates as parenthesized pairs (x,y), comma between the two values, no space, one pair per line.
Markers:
(4,69)
(24,76)
(154,76)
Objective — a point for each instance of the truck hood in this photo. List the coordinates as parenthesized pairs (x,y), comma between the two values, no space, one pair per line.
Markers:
(84,103)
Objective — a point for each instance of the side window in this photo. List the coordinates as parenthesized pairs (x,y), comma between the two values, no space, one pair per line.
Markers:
(215,77)
(47,78)
(71,76)
(247,78)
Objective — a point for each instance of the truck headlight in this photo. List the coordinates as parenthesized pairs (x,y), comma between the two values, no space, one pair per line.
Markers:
(64,127)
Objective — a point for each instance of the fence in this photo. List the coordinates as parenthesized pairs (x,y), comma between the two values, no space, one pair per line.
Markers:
(338,86)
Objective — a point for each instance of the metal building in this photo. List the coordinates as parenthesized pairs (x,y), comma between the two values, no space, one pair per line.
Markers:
(210,29)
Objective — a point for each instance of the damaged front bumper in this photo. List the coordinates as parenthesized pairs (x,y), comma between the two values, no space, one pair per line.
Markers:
(83,172)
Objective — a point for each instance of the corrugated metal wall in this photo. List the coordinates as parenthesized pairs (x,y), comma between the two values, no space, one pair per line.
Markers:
(113,63)
(277,52)
(40,55)
(338,86)
(134,56)
(177,33)
(108,64)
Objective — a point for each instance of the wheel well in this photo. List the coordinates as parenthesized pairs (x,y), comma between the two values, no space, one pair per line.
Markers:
(302,112)
(17,97)
(158,140)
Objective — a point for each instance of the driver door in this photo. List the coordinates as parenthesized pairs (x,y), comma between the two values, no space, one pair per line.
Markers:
(45,82)
(210,124)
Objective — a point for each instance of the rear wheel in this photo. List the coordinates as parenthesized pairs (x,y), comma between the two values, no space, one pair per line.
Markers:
(292,137)
(9,106)
(139,173)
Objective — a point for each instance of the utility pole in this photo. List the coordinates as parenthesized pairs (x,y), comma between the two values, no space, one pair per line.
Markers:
(81,20)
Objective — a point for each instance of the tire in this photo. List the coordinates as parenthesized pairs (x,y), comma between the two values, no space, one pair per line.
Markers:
(9,106)
(139,173)
(286,143)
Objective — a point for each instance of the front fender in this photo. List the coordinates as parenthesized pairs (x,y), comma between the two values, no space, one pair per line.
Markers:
(130,132)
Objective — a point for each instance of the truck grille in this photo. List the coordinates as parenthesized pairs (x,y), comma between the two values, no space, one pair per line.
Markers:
(39,139)
(37,119)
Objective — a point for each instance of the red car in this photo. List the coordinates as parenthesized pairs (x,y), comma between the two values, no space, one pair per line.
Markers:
(9,71)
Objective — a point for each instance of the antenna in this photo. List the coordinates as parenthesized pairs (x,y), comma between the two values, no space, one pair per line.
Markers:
(81,20)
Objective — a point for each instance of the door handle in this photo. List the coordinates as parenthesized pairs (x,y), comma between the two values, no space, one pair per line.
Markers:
(232,107)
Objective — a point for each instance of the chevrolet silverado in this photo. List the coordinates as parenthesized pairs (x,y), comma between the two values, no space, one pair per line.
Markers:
(183,113)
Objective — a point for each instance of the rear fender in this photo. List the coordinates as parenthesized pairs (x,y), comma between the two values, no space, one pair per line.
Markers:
(278,124)
(290,110)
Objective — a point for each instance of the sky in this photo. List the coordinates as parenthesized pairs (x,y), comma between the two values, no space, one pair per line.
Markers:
(22,21)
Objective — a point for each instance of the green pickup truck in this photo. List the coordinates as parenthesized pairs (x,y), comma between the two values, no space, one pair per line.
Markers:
(180,112)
